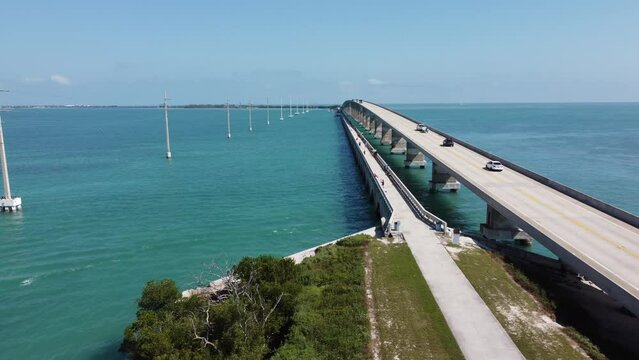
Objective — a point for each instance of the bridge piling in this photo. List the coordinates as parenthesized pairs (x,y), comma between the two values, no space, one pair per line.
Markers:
(414,157)
(442,180)
(379,130)
(398,143)
(498,227)
(387,135)
(372,125)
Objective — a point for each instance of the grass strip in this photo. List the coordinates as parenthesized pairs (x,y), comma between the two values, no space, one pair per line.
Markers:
(411,325)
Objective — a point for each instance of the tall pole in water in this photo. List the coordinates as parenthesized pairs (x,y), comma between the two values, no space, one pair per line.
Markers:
(268,113)
(250,116)
(5,171)
(166,125)
(281,109)
(228,119)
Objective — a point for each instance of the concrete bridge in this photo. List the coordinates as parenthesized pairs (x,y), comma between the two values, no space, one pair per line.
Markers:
(478,333)
(593,238)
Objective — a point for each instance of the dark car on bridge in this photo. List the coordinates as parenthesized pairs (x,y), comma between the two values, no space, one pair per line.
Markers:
(448,142)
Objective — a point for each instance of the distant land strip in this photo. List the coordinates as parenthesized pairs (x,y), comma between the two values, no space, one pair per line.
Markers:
(187,106)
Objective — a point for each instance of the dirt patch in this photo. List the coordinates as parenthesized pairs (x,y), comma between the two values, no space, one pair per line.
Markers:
(370,303)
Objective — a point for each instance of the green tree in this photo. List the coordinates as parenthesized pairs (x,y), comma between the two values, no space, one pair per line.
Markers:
(158,294)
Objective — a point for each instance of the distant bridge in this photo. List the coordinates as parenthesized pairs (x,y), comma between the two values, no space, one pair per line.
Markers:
(593,238)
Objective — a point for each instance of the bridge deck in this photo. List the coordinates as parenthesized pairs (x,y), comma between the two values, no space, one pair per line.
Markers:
(477,331)
(603,243)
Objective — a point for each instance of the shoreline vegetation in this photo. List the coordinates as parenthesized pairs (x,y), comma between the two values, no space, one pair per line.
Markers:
(323,308)
(272,308)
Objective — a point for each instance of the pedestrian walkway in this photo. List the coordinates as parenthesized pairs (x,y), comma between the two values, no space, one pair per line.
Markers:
(478,333)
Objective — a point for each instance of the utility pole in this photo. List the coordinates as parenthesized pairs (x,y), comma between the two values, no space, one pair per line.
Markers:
(7,202)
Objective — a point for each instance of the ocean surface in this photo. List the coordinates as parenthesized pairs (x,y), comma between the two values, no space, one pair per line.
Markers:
(104,212)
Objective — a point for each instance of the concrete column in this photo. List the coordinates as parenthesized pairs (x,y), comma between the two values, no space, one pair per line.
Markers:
(398,143)
(498,227)
(442,180)
(371,125)
(414,157)
(387,135)
(379,129)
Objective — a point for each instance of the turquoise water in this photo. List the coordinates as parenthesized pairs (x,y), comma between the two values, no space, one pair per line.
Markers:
(105,212)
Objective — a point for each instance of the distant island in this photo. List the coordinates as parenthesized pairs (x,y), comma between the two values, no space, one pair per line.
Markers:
(187,106)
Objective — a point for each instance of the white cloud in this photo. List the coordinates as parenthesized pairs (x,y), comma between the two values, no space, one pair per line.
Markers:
(32,80)
(59,79)
(376,82)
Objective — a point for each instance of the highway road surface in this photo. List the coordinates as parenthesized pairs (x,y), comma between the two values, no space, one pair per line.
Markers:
(604,249)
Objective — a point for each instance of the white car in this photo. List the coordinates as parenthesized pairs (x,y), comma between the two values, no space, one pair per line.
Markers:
(494,165)
(422,128)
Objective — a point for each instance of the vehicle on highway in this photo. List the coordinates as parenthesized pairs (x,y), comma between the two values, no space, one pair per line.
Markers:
(422,128)
(494,165)
(448,142)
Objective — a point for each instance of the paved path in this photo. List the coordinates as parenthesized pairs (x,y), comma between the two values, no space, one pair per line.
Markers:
(594,243)
(477,331)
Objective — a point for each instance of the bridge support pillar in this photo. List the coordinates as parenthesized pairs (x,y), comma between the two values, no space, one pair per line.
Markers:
(379,130)
(414,157)
(442,180)
(498,227)
(364,121)
(387,136)
(398,143)
(371,125)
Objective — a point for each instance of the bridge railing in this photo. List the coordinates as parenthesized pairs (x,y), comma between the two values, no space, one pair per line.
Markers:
(611,210)
(417,208)
(387,203)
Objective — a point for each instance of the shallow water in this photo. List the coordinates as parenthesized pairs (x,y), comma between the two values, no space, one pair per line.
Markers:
(104,212)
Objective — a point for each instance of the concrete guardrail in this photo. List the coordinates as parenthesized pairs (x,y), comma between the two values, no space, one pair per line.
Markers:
(380,190)
(421,213)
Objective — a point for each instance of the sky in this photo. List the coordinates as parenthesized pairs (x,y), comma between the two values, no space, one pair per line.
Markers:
(129,52)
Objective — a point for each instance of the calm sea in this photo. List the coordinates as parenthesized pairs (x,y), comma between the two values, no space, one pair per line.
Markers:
(104,212)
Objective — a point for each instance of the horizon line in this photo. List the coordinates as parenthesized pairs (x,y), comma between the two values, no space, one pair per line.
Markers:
(334,104)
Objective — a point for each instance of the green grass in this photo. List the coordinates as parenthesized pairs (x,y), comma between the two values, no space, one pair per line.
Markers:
(411,325)
(591,349)
(330,320)
(515,308)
